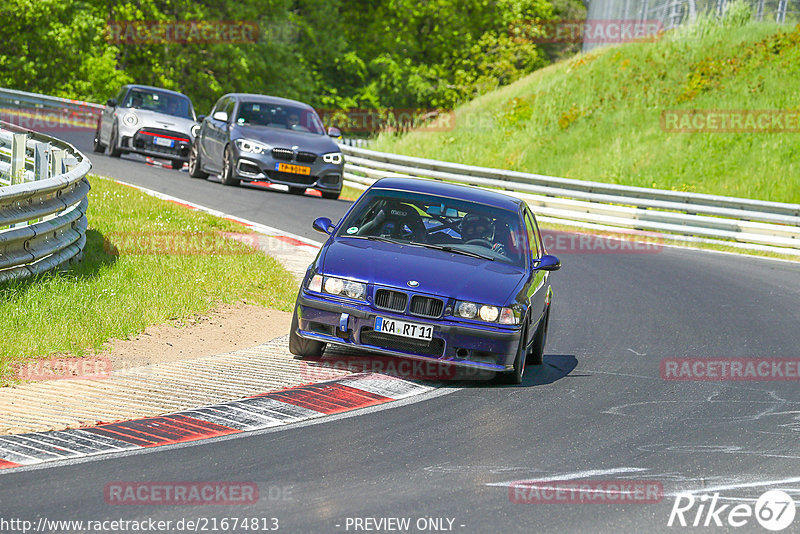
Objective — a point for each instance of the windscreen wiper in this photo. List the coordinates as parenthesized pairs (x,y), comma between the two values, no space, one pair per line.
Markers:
(448,248)
(382,238)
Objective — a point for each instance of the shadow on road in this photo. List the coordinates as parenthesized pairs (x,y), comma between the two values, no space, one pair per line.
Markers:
(555,367)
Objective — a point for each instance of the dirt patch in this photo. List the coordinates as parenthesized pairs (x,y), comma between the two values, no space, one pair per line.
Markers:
(224,329)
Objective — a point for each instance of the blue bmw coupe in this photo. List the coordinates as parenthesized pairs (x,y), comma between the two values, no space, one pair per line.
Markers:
(430,271)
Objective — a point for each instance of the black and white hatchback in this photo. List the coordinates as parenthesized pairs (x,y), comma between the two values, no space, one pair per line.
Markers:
(149,121)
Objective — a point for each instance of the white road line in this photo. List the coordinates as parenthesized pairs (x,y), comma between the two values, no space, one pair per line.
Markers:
(574,476)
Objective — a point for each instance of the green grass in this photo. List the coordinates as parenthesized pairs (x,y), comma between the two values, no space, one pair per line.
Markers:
(598,116)
(117,293)
(350,193)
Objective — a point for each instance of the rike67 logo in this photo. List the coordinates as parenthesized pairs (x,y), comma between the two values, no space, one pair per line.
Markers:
(774,510)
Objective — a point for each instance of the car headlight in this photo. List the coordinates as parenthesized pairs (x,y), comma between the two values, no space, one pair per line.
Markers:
(467,310)
(254,147)
(333,157)
(338,286)
(486,313)
(334,286)
(195,130)
(130,119)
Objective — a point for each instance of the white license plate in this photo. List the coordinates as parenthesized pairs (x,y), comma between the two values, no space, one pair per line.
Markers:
(404,329)
(163,141)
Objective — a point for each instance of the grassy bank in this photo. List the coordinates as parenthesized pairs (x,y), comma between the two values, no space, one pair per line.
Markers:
(599,116)
(144,264)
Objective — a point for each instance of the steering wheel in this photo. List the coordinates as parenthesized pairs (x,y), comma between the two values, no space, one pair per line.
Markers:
(483,242)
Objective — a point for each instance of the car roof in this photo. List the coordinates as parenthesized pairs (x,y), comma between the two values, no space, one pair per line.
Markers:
(138,86)
(463,192)
(267,99)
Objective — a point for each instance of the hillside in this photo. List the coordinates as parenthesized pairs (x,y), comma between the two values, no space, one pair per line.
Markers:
(599,116)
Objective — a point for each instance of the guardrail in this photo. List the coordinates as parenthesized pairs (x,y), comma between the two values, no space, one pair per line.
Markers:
(35,112)
(683,216)
(43,203)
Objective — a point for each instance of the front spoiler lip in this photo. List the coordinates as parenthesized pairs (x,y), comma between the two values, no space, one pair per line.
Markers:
(261,177)
(371,348)
(153,154)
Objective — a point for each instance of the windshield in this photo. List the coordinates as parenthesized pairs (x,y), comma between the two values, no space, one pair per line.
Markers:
(279,116)
(438,222)
(161,102)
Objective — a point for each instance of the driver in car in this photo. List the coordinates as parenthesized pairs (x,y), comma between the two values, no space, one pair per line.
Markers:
(293,121)
(480,228)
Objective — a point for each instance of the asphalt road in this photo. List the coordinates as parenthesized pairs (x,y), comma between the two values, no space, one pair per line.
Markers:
(597,410)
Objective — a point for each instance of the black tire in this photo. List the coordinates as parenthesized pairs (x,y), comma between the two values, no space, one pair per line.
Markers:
(331,196)
(297,190)
(227,168)
(301,347)
(515,376)
(195,170)
(97,146)
(536,356)
(113,143)
(177,164)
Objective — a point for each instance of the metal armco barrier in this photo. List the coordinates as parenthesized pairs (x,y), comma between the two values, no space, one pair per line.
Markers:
(43,203)
(739,222)
(41,108)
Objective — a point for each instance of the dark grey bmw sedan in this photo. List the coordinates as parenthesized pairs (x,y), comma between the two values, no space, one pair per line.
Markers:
(268,139)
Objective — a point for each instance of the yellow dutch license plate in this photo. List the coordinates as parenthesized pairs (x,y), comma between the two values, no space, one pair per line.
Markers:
(294,169)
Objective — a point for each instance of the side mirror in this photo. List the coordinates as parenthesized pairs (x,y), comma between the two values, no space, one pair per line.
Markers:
(221,116)
(334,132)
(547,263)
(111,102)
(201,118)
(324,225)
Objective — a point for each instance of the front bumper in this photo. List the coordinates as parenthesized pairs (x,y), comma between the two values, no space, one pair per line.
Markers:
(143,142)
(490,348)
(251,167)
